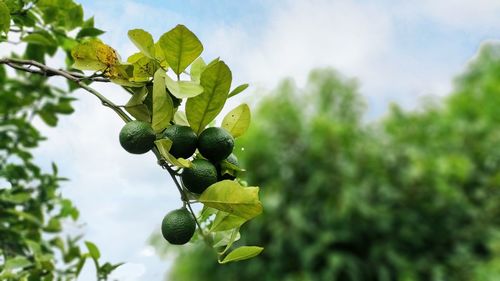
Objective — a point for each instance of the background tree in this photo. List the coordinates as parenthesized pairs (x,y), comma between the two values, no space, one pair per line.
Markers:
(414,196)
(32,209)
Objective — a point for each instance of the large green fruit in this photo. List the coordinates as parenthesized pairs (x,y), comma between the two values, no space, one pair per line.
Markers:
(137,137)
(201,175)
(183,139)
(215,144)
(178,226)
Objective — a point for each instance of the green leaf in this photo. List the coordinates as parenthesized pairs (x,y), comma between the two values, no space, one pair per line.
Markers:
(89,32)
(48,117)
(180,118)
(135,57)
(88,23)
(53,226)
(160,56)
(242,253)
(4,18)
(183,89)
(226,165)
(25,216)
(196,69)
(226,238)
(231,197)
(143,41)
(206,212)
(59,13)
(181,47)
(164,146)
(137,108)
(17,198)
(238,90)
(41,37)
(163,107)
(237,120)
(79,266)
(93,250)
(225,221)
(93,54)
(202,109)
(16,263)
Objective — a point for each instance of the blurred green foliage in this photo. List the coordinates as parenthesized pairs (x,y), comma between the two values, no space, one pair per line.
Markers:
(33,211)
(415,196)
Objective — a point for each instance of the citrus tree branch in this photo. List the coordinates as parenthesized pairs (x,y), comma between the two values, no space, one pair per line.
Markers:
(35,67)
(38,68)
(42,69)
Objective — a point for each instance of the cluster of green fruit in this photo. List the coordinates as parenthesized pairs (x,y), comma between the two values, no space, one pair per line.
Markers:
(215,146)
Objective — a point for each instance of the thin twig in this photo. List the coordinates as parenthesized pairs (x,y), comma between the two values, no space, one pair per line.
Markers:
(42,69)
(35,67)
(184,197)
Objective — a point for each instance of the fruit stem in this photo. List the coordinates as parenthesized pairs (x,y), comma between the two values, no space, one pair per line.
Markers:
(184,197)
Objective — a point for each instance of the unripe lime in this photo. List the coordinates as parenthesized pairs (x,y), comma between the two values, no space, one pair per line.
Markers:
(137,137)
(200,176)
(178,226)
(215,144)
(183,139)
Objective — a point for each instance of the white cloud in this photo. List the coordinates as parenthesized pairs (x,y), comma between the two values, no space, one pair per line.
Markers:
(464,14)
(302,35)
(377,42)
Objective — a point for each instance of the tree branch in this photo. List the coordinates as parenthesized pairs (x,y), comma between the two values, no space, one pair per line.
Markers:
(42,69)
(35,67)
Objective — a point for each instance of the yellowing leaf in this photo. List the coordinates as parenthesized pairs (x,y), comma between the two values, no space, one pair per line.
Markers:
(237,120)
(144,69)
(93,54)
(163,107)
(231,197)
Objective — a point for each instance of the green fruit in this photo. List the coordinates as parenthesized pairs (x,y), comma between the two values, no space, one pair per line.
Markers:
(178,226)
(137,137)
(200,176)
(215,144)
(231,159)
(183,139)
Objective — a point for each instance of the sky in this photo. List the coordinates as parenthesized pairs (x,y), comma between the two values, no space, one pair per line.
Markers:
(400,51)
